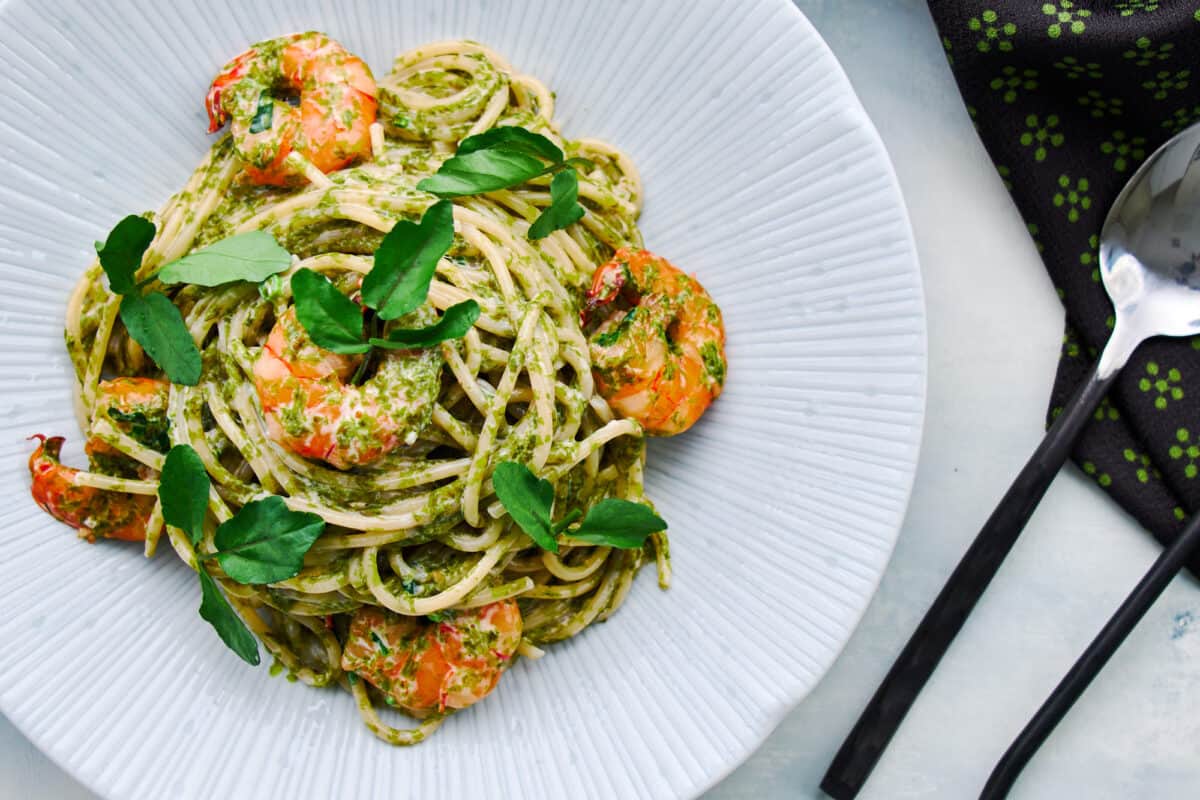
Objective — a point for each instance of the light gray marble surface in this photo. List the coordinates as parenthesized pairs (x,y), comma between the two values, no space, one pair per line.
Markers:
(994,330)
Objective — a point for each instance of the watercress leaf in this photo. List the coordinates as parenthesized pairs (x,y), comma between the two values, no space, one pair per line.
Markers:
(121,254)
(229,626)
(528,500)
(265,541)
(406,260)
(253,256)
(333,320)
(271,289)
(155,323)
(482,171)
(618,523)
(454,324)
(512,138)
(183,491)
(263,115)
(564,209)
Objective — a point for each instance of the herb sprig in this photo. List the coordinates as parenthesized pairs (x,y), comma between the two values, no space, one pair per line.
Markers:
(612,522)
(151,318)
(509,156)
(264,542)
(397,284)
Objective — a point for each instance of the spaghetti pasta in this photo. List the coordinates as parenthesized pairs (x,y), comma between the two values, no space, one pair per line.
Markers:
(419,530)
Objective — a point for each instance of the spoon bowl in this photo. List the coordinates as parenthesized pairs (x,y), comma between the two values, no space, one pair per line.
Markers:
(1150,248)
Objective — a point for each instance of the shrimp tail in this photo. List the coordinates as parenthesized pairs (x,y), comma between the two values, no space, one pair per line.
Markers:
(47,454)
(44,468)
(216,115)
(233,72)
(607,283)
(94,512)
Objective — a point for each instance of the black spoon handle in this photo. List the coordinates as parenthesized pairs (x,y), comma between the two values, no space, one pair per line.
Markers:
(883,715)
(1092,661)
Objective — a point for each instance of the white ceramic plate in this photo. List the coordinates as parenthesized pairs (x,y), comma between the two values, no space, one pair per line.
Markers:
(763,176)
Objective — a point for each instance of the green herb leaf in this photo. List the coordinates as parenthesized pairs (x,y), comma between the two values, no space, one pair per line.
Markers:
(406,260)
(253,256)
(618,523)
(142,428)
(183,491)
(121,254)
(482,171)
(454,324)
(271,289)
(513,139)
(564,209)
(613,335)
(497,159)
(229,626)
(265,541)
(264,114)
(333,320)
(156,324)
(528,500)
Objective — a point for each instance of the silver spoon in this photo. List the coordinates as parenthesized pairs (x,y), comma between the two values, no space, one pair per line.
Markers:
(1148,264)
(1151,242)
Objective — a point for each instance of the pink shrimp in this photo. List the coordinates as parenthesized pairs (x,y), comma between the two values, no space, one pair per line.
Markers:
(95,512)
(330,129)
(137,407)
(429,666)
(312,409)
(661,359)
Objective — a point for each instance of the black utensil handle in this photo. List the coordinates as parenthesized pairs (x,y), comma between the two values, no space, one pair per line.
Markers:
(1165,567)
(896,694)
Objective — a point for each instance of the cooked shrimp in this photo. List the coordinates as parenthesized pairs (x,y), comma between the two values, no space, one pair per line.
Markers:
(661,360)
(136,406)
(330,129)
(312,410)
(95,512)
(426,666)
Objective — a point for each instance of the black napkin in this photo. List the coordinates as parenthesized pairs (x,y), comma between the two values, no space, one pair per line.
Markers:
(1069,97)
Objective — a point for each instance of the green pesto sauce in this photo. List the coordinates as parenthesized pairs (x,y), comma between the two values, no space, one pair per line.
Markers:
(612,336)
(147,426)
(714,364)
(294,418)
(435,568)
